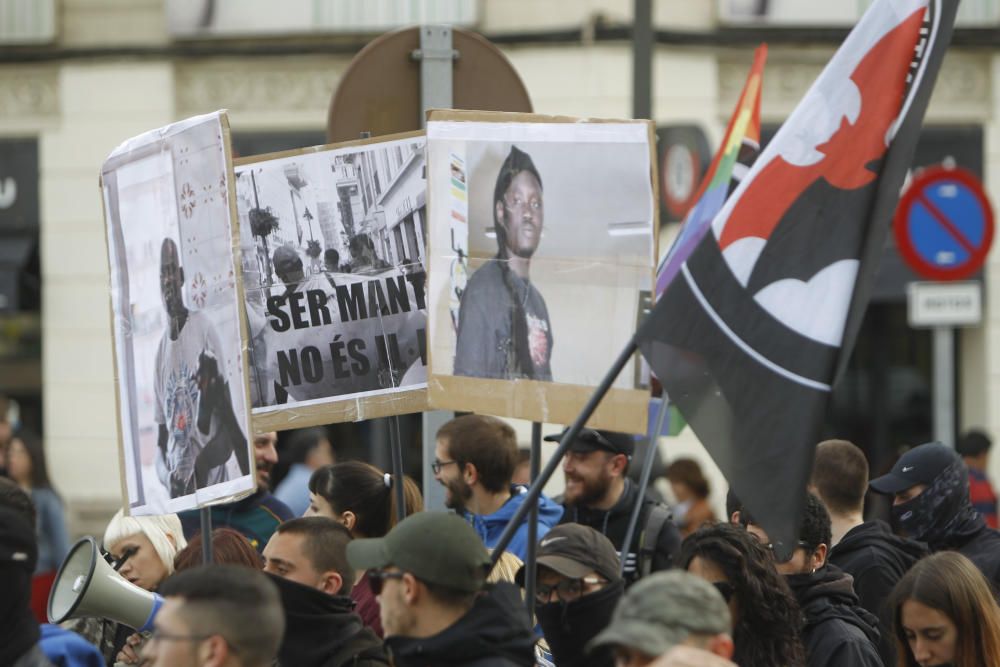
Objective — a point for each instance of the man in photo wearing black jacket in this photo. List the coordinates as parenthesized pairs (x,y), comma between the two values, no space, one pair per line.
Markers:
(931,504)
(866,550)
(837,631)
(429,572)
(600,495)
(307,558)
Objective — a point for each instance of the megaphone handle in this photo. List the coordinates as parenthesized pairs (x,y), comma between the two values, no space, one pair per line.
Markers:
(157,603)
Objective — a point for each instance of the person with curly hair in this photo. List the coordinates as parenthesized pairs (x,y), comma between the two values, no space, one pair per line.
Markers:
(766,618)
(944,613)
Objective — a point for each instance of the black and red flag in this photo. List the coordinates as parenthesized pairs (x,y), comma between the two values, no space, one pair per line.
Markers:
(750,336)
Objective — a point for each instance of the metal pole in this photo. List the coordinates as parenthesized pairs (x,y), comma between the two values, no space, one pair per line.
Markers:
(944,385)
(647,466)
(642,59)
(569,436)
(436,57)
(206,536)
(529,562)
(396,450)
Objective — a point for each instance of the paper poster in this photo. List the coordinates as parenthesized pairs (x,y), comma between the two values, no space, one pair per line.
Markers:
(541,236)
(180,368)
(332,246)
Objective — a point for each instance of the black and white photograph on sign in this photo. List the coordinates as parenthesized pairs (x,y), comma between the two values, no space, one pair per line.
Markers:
(332,245)
(543,240)
(182,393)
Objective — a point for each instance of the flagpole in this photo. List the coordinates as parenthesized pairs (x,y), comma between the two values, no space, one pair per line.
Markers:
(647,467)
(531,498)
(529,560)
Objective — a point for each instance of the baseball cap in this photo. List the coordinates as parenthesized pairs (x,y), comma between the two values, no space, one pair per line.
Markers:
(436,547)
(920,465)
(661,610)
(574,550)
(590,440)
(17,539)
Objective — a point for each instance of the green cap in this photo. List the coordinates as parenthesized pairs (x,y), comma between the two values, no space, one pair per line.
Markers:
(662,610)
(436,547)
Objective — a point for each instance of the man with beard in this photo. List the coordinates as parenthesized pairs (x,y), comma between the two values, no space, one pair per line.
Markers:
(503,326)
(256,516)
(578,588)
(188,343)
(475,457)
(308,560)
(600,495)
(429,572)
(931,504)
(866,550)
(837,632)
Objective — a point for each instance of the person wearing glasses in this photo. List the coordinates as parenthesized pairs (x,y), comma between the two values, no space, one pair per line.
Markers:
(765,614)
(838,631)
(664,610)
(308,559)
(577,587)
(867,550)
(504,330)
(216,615)
(475,457)
(429,572)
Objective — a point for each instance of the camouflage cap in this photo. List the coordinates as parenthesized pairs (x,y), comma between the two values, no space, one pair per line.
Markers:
(662,610)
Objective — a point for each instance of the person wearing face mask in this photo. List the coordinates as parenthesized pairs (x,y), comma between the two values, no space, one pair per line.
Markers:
(945,615)
(930,485)
(577,588)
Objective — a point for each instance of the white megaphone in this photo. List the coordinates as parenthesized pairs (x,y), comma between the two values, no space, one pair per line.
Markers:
(87,586)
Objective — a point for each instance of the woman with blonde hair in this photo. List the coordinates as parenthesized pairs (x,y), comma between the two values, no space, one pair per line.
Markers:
(363,498)
(944,613)
(142,550)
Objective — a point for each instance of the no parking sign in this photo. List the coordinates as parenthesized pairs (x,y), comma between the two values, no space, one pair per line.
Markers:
(944,224)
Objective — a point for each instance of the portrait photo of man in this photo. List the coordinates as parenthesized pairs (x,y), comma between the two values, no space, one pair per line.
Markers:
(504,330)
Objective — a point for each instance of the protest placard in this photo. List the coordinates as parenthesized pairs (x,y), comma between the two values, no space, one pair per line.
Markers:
(183,417)
(332,247)
(541,237)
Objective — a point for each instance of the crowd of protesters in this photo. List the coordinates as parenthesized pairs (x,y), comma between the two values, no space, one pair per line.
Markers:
(341,582)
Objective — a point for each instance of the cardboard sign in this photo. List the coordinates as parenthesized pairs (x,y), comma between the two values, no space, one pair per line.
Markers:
(183,410)
(331,240)
(541,242)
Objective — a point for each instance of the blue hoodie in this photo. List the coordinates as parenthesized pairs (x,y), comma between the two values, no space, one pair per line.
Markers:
(490,526)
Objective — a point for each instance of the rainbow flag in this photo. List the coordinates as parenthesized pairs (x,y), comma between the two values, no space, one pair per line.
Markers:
(740,147)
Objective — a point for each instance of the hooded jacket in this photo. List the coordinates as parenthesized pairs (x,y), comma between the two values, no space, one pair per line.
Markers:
(877,559)
(836,631)
(322,631)
(613,524)
(494,633)
(491,526)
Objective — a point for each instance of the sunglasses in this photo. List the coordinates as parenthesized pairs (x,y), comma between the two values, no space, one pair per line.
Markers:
(377,577)
(726,589)
(775,547)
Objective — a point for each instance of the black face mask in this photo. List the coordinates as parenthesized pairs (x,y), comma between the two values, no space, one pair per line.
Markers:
(568,626)
(942,514)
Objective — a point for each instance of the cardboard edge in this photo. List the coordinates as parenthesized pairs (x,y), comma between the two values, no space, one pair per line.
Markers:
(307,150)
(347,410)
(471,116)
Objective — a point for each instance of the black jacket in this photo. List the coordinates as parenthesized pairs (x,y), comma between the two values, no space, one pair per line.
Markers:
(982,547)
(877,559)
(613,524)
(494,633)
(836,631)
(322,631)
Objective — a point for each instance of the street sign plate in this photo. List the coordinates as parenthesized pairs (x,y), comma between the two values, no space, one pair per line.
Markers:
(951,304)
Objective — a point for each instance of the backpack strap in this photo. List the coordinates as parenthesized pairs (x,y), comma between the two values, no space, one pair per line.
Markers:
(656,518)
